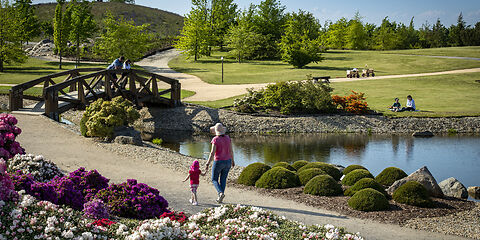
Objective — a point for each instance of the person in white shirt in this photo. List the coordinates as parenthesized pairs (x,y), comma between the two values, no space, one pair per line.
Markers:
(410,106)
(127,65)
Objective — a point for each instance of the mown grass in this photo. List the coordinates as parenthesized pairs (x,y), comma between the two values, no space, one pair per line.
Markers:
(470,51)
(209,69)
(218,103)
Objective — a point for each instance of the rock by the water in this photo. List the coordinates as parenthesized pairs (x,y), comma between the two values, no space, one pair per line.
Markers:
(453,188)
(474,192)
(423,134)
(424,177)
(127,135)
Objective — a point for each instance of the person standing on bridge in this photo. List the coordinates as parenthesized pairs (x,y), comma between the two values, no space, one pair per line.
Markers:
(222,155)
(116,64)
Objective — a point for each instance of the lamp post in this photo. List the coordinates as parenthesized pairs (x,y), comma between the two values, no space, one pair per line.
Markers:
(222,69)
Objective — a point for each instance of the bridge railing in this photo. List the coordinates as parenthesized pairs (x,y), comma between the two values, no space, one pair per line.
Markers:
(17,93)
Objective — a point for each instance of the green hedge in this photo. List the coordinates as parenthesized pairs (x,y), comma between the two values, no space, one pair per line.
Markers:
(284,165)
(278,178)
(252,173)
(350,168)
(413,193)
(367,200)
(323,185)
(328,168)
(365,183)
(299,164)
(351,178)
(308,174)
(389,175)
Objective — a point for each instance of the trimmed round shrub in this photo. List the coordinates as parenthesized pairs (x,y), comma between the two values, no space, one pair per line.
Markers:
(350,168)
(278,178)
(413,193)
(327,168)
(351,178)
(308,174)
(389,175)
(323,185)
(368,200)
(252,173)
(284,165)
(365,183)
(299,164)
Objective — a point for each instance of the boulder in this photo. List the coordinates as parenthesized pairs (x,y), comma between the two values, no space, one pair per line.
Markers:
(127,135)
(424,177)
(453,188)
(423,134)
(474,192)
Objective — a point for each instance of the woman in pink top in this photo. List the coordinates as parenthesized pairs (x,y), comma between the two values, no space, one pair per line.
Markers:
(194,175)
(222,155)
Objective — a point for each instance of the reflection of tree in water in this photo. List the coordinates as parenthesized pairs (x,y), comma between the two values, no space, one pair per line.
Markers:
(395,143)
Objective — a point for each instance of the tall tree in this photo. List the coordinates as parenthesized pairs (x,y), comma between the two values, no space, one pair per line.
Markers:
(10,35)
(29,21)
(47,29)
(242,39)
(61,26)
(223,14)
(269,22)
(457,32)
(83,25)
(385,35)
(356,34)
(122,37)
(439,36)
(337,34)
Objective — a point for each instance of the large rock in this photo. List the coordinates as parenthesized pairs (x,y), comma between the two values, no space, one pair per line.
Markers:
(127,135)
(424,177)
(474,192)
(453,188)
(424,134)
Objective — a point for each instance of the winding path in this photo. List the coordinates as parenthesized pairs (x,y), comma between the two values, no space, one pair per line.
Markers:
(158,64)
(70,151)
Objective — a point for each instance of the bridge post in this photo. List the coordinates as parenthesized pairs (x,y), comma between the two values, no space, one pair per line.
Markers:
(51,104)
(154,86)
(108,86)
(16,100)
(175,96)
(81,95)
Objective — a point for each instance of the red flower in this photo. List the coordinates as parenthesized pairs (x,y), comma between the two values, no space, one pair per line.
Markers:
(103,223)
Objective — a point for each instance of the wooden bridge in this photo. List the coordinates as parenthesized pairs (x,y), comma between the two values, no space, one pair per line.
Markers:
(78,91)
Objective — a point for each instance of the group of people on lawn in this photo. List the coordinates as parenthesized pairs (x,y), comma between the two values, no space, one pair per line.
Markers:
(397,107)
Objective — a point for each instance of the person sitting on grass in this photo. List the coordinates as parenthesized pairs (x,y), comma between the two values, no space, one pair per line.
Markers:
(410,106)
(396,106)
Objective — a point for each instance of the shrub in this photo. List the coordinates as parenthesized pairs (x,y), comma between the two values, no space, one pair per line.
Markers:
(365,183)
(8,133)
(413,193)
(175,216)
(157,141)
(298,164)
(354,103)
(278,178)
(323,185)
(284,165)
(327,168)
(95,209)
(350,168)
(389,175)
(88,182)
(308,174)
(367,200)
(101,117)
(40,169)
(7,188)
(133,200)
(351,178)
(252,173)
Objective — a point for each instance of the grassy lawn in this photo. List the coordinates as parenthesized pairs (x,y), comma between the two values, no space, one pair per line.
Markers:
(473,51)
(219,103)
(184,94)
(334,65)
(435,96)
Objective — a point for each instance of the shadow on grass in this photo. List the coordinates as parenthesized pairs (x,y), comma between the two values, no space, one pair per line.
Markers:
(72,64)
(188,70)
(326,68)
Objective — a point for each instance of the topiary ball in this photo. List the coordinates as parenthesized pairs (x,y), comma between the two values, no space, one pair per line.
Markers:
(323,185)
(328,168)
(351,178)
(413,193)
(368,200)
(299,164)
(252,173)
(365,183)
(389,175)
(278,178)
(350,168)
(308,174)
(284,165)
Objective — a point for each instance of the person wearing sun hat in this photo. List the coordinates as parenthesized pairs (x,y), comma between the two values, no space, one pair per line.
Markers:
(222,156)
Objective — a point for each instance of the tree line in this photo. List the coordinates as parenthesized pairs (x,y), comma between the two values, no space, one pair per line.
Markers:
(267,31)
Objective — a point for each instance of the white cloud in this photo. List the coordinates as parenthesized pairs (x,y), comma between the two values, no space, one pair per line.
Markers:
(432,14)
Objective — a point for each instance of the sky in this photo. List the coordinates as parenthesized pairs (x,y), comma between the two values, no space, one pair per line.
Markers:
(372,11)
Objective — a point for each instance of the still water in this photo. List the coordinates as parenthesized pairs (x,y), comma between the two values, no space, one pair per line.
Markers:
(445,156)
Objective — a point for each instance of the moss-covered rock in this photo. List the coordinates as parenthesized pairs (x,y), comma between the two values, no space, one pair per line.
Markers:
(285,165)
(299,164)
(351,178)
(368,200)
(252,173)
(328,168)
(365,183)
(278,178)
(323,185)
(413,193)
(389,175)
(350,168)
(308,174)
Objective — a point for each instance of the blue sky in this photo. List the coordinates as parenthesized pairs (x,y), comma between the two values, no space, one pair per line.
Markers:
(373,11)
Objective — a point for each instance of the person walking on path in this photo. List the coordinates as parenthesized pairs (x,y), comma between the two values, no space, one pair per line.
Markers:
(222,156)
(194,176)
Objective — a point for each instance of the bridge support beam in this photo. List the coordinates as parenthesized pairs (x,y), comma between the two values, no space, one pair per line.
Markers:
(15,100)
(51,105)
(175,96)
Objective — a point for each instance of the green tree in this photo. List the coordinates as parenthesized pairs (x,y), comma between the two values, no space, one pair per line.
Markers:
(242,39)
(29,21)
(269,21)
(457,32)
(10,35)
(47,29)
(122,37)
(61,27)
(356,34)
(439,35)
(83,25)
(337,34)
(223,14)
(385,35)
(301,43)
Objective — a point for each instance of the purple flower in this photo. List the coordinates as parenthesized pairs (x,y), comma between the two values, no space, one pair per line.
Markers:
(95,209)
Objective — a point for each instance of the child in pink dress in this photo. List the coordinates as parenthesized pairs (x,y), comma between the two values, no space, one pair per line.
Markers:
(194,176)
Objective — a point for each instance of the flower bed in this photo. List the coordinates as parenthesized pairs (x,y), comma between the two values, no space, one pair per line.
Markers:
(8,133)
(41,169)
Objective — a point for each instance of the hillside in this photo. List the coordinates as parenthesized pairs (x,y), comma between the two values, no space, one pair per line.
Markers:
(162,22)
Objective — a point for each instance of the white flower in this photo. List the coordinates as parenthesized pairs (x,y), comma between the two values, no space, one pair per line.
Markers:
(67,234)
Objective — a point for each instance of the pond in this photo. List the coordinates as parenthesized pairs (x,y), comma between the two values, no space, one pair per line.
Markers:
(445,156)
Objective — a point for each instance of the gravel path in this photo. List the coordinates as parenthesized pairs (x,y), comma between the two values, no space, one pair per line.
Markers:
(163,169)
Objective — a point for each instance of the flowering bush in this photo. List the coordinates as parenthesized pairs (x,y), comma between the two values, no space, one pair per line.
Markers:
(103,222)
(41,169)
(7,189)
(89,183)
(68,192)
(133,200)
(8,132)
(175,216)
(354,103)
(158,229)
(95,209)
